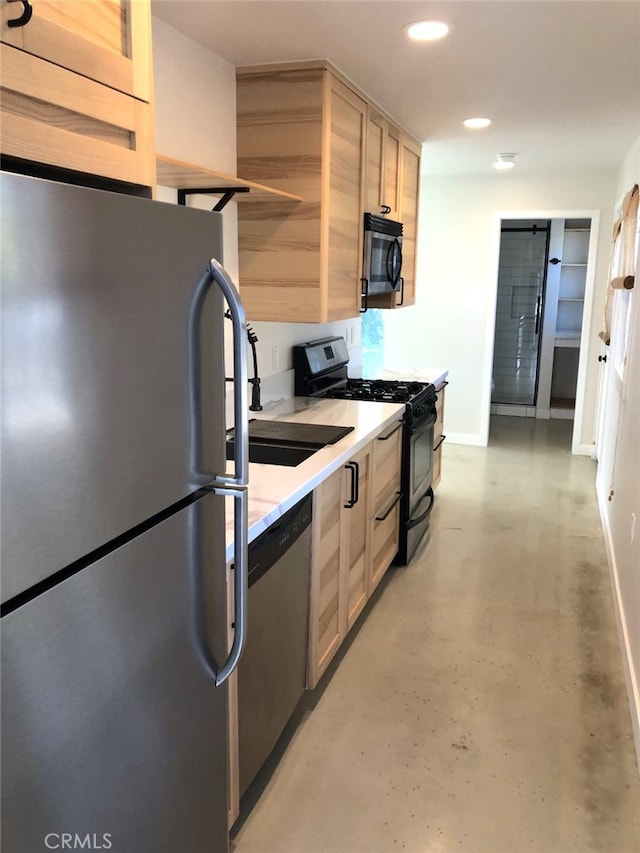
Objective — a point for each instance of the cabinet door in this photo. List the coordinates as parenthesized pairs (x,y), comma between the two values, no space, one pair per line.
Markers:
(108,41)
(342,240)
(376,132)
(385,491)
(325,617)
(383,165)
(438,437)
(355,533)
(76,86)
(392,170)
(409,199)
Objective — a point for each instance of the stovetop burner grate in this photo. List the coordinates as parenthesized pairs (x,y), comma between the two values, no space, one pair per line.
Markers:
(379,390)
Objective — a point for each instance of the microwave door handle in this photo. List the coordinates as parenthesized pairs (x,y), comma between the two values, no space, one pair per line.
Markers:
(389,261)
(399,270)
(394,262)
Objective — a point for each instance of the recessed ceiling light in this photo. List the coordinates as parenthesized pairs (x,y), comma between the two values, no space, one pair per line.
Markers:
(427,30)
(505,161)
(477,122)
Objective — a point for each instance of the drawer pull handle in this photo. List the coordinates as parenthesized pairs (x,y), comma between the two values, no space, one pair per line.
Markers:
(354,467)
(25,17)
(393,432)
(442,438)
(388,512)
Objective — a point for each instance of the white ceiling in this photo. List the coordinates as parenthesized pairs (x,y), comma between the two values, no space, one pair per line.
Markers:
(560,79)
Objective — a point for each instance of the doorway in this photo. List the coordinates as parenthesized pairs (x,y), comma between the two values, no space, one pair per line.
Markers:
(545,274)
(522,274)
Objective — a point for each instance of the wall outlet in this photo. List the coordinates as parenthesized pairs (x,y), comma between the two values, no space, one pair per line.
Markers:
(275,358)
(632,532)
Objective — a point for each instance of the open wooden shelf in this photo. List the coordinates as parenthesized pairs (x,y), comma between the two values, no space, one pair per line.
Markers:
(186,176)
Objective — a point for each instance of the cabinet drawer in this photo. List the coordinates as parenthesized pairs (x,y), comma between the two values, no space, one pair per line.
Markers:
(387,450)
(384,538)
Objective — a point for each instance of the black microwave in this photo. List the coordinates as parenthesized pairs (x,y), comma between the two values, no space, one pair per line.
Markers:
(382,260)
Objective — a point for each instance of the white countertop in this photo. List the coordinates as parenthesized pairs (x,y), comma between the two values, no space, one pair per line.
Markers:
(273,489)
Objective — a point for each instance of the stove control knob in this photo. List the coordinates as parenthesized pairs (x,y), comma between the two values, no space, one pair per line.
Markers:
(419,411)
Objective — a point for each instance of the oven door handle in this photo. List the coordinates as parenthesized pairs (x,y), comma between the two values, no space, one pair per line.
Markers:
(423,426)
(414,522)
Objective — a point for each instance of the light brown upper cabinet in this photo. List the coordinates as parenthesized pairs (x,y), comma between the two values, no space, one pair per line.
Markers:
(77,86)
(393,179)
(301,129)
(410,153)
(382,193)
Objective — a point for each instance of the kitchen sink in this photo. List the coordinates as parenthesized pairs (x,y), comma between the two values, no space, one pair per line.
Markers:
(286,442)
(275,454)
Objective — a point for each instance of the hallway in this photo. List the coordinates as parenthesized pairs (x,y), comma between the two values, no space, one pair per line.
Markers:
(481,707)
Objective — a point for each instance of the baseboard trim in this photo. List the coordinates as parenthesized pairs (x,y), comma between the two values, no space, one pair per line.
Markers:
(583,450)
(465,438)
(625,646)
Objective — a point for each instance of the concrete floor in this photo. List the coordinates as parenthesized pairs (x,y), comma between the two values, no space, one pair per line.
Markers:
(481,705)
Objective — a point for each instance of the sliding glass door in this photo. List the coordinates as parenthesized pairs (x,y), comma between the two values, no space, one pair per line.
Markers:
(521,283)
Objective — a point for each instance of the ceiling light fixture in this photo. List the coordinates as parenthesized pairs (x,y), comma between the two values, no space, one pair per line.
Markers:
(477,123)
(427,30)
(505,161)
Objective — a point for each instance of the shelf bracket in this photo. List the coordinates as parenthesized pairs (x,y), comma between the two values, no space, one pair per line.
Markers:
(227,194)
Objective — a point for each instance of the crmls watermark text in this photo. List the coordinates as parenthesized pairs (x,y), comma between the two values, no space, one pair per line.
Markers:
(74,841)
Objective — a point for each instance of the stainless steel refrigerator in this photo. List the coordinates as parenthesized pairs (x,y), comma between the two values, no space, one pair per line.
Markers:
(116,643)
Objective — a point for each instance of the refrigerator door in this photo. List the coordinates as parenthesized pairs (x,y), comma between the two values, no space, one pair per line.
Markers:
(98,406)
(111,726)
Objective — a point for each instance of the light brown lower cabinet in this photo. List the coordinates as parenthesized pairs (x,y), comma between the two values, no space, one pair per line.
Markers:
(385,520)
(354,540)
(438,437)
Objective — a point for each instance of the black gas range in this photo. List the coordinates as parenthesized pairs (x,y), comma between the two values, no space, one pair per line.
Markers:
(321,370)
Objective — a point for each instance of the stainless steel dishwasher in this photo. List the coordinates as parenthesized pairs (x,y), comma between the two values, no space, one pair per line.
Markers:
(272,670)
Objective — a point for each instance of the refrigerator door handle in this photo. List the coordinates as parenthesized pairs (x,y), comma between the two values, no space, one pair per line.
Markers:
(216,273)
(240,476)
(220,674)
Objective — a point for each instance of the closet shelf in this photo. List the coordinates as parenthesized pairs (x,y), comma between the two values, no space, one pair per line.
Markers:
(567,339)
(187,178)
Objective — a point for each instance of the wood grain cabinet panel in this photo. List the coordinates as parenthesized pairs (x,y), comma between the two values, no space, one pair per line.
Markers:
(402,172)
(301,130)
(326,603)
(385,495)
(382,180)
(438,437)
(356,535)
(76,87)
(351,550)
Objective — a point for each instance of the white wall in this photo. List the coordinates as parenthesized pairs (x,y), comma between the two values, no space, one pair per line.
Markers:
(195,116)
(618,481)
(451,324)
(195,107)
